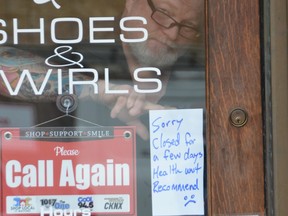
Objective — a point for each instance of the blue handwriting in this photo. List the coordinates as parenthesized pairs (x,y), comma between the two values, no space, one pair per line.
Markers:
(191,200)
(166,142)
(192,155)
(170,155)
(174,169)
(157,173)
(158,188)
(158,123)
(188,139)
(192,170)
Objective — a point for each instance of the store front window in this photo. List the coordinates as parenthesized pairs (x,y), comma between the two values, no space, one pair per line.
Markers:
(102,107)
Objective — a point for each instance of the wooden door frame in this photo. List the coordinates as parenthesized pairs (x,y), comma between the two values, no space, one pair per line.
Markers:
(235,154)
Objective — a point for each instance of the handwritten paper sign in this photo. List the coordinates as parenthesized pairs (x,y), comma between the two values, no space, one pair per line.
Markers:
(177,161)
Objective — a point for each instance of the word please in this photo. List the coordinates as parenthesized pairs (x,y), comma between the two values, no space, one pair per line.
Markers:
(65,152)
(77,24)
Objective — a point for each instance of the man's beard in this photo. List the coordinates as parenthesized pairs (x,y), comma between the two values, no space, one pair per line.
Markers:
(164,57)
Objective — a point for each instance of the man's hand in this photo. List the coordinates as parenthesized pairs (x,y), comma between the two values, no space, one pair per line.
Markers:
(128,108)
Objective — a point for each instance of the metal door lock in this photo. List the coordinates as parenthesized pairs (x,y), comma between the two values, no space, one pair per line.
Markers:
(238,117)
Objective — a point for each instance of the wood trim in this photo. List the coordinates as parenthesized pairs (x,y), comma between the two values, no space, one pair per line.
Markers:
(236,164)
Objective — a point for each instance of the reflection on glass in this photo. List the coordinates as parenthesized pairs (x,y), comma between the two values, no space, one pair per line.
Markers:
(118,59)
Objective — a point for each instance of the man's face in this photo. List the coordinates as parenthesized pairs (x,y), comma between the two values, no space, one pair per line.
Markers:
(164,44)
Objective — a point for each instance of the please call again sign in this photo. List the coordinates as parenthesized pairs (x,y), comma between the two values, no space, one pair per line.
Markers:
(74,171)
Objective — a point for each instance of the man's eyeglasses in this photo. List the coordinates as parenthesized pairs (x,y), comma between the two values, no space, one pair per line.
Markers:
(166,21)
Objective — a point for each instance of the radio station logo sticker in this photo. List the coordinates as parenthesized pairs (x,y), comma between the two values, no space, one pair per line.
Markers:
(61,204)
(22,205)
(114,203)
(85,202)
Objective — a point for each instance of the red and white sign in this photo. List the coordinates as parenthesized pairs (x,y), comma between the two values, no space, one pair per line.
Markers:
(68,171)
